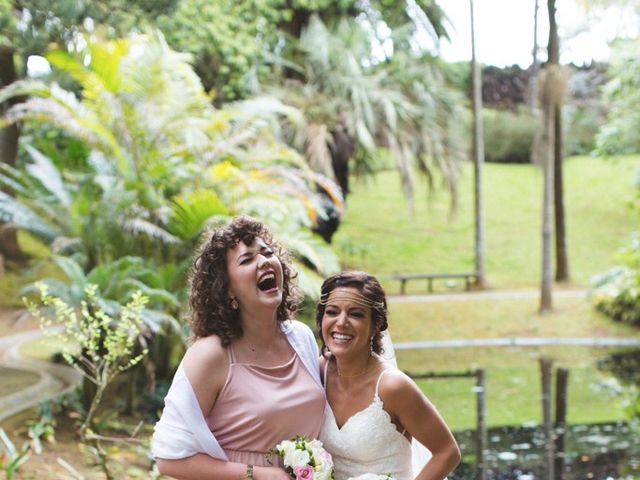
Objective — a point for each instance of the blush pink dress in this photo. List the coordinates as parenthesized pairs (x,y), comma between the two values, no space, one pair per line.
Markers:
(258,407)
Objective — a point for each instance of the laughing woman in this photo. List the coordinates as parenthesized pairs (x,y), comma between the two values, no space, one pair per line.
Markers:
(251,377)
(374,410)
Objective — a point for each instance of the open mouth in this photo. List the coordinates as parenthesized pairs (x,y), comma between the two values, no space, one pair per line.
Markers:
(341,337)
(267,282)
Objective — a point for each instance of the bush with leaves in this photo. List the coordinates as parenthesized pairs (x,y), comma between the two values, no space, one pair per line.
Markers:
(508,136)
(619,135)
(617,292)
(98,345)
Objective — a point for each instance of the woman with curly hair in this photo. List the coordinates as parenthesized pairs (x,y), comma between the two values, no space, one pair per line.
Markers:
(251,377)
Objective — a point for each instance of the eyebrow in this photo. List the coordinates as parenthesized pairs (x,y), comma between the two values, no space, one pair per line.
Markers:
(250,252)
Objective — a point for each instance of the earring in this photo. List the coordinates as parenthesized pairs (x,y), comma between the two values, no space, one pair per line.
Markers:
(371,345)
(234,303)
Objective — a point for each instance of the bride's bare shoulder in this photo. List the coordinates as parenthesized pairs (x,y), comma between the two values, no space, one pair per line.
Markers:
(395,385)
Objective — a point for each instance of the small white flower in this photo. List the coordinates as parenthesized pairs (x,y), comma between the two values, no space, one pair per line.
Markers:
(315,445)
(296,458)
(286,447)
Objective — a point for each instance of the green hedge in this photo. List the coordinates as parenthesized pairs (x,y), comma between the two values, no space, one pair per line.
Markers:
(508,136)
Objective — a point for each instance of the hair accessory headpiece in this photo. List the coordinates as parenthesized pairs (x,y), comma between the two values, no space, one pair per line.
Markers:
(353,296)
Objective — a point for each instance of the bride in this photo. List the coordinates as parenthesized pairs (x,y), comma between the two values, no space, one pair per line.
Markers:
(374,410)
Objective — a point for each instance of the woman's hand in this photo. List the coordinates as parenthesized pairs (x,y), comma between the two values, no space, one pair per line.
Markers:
(270,473)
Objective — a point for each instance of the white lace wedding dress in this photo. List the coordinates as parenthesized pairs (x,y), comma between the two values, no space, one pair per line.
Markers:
(368,442)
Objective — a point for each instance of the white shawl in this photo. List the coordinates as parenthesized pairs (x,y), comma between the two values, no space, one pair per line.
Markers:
(182,430)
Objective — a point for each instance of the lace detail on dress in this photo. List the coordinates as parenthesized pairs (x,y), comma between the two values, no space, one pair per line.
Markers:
(368,442)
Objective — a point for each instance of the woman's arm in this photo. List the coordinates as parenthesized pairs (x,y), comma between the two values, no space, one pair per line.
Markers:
(203,467)
(412,410)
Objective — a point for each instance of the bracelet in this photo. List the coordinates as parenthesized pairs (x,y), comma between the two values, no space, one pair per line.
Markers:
(248,474)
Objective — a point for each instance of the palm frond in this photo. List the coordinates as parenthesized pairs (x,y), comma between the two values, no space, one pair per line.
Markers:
(71,269)
(191,212)
(43,170)
(318,150)
(16,214)
(140,226)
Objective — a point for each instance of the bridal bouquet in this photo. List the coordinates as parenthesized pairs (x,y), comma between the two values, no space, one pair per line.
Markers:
(304,459)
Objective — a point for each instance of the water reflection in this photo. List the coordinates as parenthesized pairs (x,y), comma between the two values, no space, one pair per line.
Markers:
(599,451)
(607,451)
(625,366)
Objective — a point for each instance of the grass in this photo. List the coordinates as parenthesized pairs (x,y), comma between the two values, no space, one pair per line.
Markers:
(378,235)
(447,319)
(512,373)
(14,280)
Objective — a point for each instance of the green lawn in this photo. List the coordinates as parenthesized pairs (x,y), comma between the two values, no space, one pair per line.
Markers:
(378,235)
(512,373)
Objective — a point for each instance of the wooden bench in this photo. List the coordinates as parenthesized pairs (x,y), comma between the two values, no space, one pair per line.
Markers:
(430,277)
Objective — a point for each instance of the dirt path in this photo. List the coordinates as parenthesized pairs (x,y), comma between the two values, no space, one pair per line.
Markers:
(483,295)
(54,379)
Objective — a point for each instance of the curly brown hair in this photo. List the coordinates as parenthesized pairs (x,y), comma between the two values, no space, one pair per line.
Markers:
(369,286)
(211,312)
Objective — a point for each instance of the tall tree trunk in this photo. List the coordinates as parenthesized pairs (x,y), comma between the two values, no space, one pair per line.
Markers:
(546,302)
(535,66)
(562,260)
(9,247)
(562,252)
(343,148)
(478,158)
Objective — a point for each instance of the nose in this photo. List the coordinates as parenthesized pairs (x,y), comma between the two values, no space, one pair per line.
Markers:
(341,319)
(262,260)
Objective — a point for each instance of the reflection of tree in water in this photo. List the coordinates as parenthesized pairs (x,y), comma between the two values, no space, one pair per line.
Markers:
(625,365)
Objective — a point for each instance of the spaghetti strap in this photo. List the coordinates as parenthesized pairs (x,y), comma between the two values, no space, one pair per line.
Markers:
(378,382)
(404,430)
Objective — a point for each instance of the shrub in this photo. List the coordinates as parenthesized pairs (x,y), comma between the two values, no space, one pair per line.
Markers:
(508,136)
(581,125)
(616,293)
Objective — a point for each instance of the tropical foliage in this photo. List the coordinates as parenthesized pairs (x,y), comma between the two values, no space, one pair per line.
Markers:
(152,134)
(357,98)
(619,135)
(162,166)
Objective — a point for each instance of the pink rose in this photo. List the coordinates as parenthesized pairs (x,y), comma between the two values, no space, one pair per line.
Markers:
(304,473)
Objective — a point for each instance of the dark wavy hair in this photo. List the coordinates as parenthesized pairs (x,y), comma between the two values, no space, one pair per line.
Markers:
(211,312)
(369,286)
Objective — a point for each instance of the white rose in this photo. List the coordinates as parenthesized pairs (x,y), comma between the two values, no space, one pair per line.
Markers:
(286,447)
(322,472)
(315,445)
(296,458)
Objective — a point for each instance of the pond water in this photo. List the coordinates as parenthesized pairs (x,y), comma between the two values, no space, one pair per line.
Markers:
(603,451)
(600,452)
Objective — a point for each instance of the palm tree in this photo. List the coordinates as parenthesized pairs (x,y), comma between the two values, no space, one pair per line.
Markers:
(478,157)
(354,103)
(152,132)
(552,89)
(562,254)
